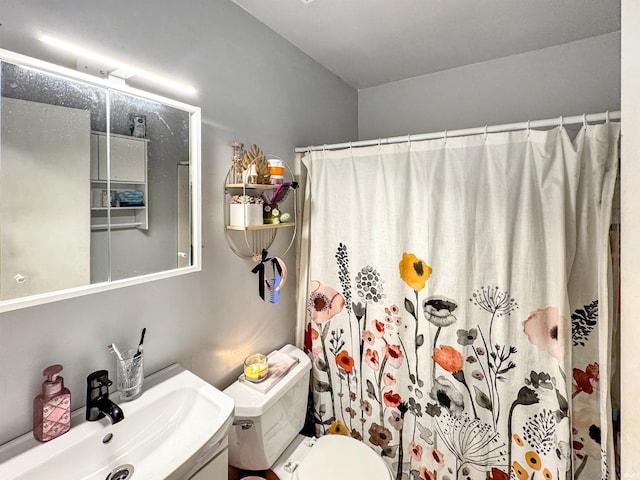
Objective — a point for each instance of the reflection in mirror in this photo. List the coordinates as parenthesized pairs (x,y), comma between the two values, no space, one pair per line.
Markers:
(97,184)
(44,167)
(148,142)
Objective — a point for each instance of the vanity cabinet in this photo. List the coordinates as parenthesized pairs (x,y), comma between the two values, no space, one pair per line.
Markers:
(128,171)
(215,469)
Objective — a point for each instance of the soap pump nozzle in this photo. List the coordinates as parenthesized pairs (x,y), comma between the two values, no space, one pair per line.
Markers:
(54,383)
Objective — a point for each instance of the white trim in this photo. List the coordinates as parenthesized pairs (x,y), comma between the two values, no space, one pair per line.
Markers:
(32,300)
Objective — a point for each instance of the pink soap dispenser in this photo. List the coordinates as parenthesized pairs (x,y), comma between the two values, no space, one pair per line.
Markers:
(52,408)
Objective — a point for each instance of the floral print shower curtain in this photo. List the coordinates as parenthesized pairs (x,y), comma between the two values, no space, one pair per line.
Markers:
(456,303)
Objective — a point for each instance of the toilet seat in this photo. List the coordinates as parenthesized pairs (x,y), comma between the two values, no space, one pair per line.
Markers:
(338,456)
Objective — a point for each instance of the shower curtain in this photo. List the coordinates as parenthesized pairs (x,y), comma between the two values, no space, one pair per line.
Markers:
(454,300)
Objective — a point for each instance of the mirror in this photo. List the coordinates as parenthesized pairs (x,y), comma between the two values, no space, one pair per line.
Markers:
(99,184)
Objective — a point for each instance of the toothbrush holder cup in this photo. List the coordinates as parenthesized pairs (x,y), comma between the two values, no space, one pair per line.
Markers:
(130,374)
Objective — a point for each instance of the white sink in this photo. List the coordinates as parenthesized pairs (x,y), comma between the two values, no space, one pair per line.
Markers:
(176,426)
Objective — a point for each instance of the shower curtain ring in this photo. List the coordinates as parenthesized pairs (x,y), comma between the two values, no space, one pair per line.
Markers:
(584,120)
(561,121)
(409,140)
(528,128)
(606,116)
(486,129)
(445,136)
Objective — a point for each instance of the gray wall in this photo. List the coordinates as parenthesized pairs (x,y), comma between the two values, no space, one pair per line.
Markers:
(253,87)
(256,88)
(569,79)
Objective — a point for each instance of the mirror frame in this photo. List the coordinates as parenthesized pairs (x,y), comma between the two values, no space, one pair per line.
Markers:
(194,177)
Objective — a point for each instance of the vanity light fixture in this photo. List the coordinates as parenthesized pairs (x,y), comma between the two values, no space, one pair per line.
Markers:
(120,70)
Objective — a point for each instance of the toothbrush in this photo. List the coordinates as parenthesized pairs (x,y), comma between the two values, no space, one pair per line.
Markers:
(142,333)
(113,348)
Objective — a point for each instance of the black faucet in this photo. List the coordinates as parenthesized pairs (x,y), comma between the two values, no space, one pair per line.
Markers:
(98,403)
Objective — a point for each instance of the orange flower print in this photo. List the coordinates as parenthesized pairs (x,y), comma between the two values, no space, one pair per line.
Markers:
(546,473)
(448,358)
(533,460)
(391,399)
(324,302)
(413,271)
(518,440)
(542,329)
(393,354)
(344,361)
(371,357)
(520,472)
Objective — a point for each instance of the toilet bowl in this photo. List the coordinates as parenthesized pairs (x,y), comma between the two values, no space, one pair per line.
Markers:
(330,456)
(265,434)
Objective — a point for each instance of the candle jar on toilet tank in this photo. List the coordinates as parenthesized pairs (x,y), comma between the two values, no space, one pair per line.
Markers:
(256,367)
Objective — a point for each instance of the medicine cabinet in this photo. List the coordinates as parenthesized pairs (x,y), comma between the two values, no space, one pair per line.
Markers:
(88,200)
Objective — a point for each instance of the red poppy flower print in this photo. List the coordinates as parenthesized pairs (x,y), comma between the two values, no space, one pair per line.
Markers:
(372,359)
(425,474)
(586,381)
(497,474)
(393,354)
(415,451)
(388,379)
(378,329)
(434,459)
(391,399)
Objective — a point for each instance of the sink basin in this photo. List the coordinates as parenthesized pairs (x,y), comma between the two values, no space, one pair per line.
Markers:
(176,426)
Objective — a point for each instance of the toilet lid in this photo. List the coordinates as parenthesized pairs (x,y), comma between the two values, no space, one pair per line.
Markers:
(339,456)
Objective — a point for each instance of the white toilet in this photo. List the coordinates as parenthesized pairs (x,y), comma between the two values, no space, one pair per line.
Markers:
(265,434)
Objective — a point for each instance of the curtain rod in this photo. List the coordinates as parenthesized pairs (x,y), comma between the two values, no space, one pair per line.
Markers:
(507,127)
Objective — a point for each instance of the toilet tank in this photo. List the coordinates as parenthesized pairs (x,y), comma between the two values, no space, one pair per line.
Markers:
(275,417)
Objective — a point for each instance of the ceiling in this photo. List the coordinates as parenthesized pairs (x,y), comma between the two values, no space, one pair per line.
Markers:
(372,42)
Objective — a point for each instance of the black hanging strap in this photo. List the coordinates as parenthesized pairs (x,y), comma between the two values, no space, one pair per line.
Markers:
(259,269)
